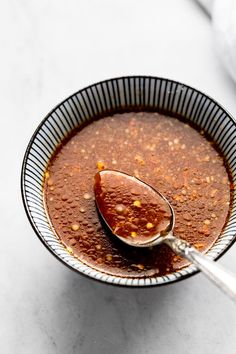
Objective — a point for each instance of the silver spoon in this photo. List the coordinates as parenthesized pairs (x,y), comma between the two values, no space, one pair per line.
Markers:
(224,279)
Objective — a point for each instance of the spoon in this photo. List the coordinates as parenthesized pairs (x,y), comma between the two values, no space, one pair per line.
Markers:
(141,216)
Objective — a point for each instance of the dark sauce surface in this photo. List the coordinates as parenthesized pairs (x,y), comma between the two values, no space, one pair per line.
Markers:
(131,209)
(162,151)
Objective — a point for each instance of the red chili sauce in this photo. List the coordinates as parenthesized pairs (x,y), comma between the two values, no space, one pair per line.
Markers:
(162,151)
(131,209)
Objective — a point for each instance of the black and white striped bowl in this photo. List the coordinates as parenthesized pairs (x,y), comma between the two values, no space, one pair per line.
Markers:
(108,97)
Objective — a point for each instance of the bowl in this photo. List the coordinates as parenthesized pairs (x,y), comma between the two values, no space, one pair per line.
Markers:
(107,97)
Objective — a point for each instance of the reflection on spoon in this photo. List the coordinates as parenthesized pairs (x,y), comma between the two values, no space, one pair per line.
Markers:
(140,216)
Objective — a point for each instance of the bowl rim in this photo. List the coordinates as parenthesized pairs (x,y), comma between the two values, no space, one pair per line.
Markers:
(28,213)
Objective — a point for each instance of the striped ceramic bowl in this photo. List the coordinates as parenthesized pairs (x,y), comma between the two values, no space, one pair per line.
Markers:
(110,96)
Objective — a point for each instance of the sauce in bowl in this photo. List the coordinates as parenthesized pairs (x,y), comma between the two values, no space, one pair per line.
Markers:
(164,152)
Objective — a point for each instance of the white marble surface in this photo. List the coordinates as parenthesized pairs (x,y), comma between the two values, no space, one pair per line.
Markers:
(50,49)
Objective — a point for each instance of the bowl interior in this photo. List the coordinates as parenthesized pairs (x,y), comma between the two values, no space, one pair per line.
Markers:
(112,96)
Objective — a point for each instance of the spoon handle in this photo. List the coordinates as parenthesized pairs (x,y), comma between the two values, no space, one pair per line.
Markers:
(224,279)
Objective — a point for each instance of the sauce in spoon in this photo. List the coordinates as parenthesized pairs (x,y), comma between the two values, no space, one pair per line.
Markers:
(133,210)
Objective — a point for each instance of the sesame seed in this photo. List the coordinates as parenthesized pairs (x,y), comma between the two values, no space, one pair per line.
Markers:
(149,225)
(137,203)
(87,196)
(109,257)
(74,227)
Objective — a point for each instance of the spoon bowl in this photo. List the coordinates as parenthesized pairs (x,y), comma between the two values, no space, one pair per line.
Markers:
(133,207)
(124,203)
